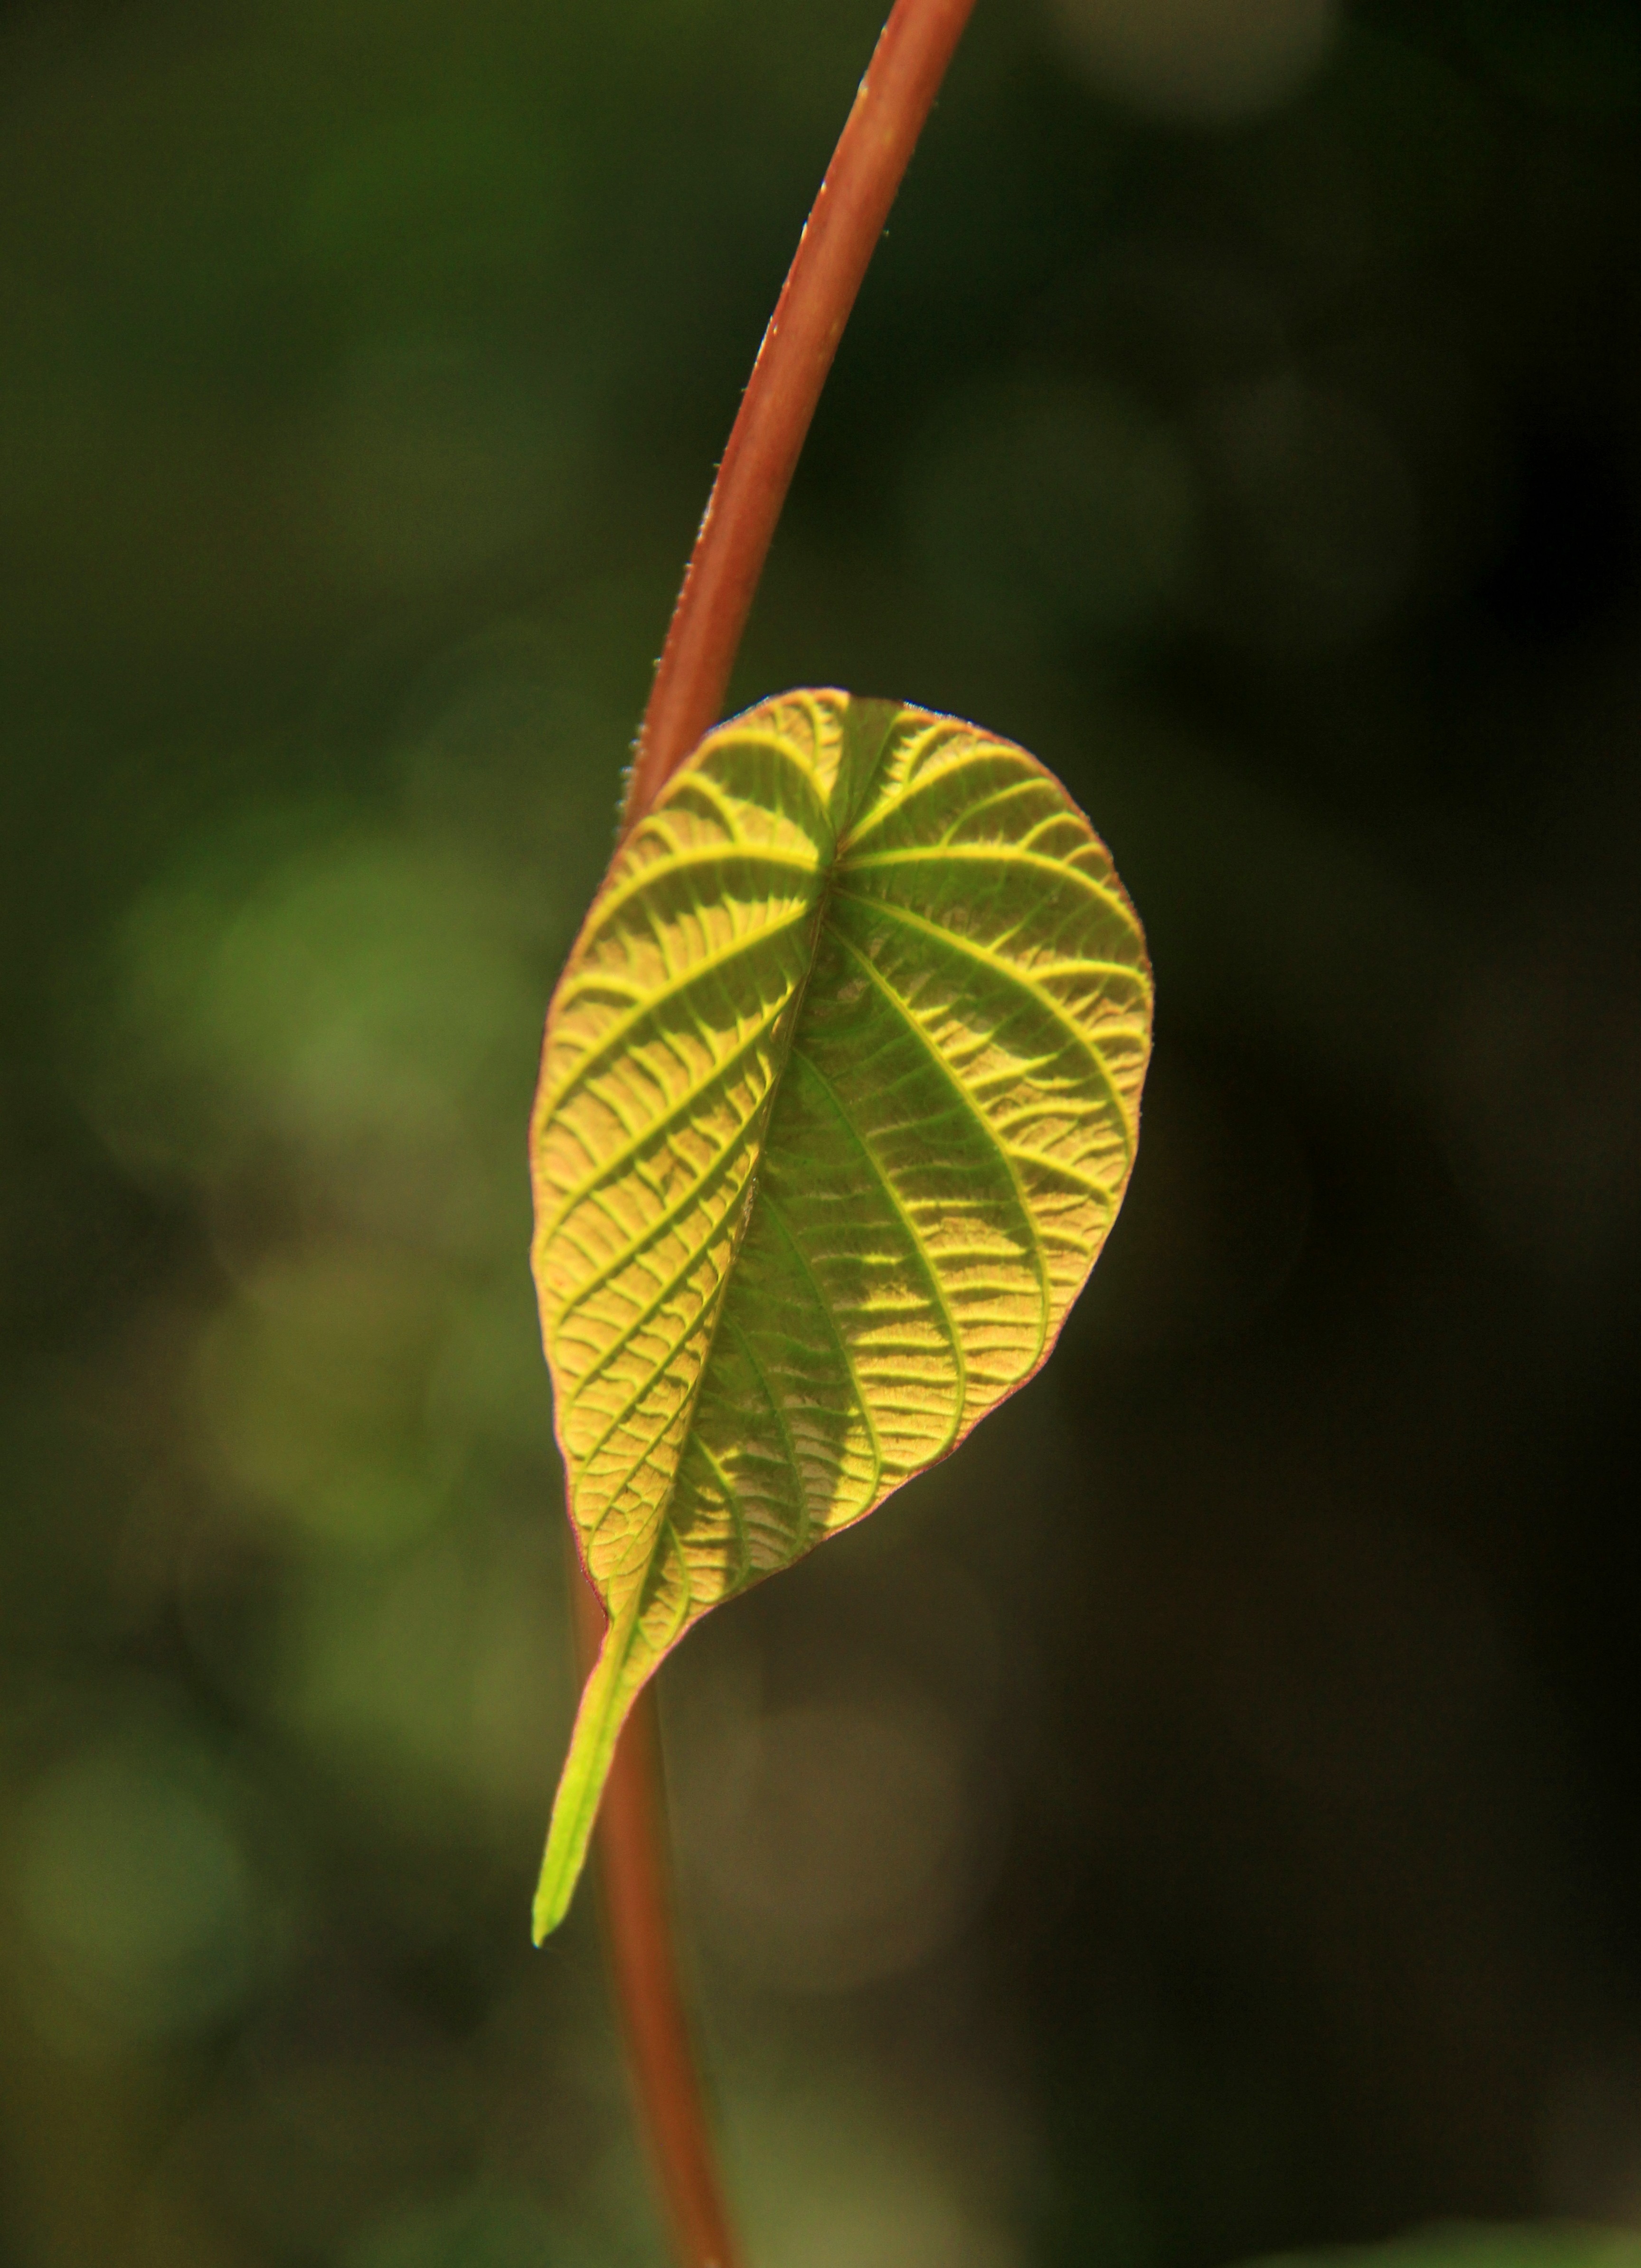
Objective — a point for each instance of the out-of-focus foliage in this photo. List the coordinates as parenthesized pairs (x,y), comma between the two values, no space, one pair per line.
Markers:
(1465,2244)
(1246,1856)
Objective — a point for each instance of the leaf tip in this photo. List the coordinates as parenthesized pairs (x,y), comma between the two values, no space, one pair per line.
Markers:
(561,1865)
(552,1904)
(607,1696)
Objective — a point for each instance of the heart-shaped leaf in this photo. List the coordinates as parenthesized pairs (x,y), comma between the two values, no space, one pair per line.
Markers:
(838,1102)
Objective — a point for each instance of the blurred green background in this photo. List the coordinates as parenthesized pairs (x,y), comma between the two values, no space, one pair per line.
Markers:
(1203,1817)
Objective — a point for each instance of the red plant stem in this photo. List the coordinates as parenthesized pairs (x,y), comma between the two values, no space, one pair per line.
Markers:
(635,1896)
(839,238)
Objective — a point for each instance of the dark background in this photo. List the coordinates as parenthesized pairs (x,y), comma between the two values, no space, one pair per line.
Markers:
(1202,1816)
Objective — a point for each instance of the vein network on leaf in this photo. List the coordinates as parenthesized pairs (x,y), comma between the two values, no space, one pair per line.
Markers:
(839,1097)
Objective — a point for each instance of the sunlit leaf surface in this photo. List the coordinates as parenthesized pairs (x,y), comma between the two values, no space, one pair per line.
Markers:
(839,1099)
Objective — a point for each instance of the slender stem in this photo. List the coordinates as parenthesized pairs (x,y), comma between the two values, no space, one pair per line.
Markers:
(633,1881)
(837,243)
(839,238)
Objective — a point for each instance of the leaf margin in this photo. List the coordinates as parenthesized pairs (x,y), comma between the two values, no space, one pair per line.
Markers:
(605,1698)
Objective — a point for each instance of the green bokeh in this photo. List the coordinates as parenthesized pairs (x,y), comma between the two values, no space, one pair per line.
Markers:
(1242,413)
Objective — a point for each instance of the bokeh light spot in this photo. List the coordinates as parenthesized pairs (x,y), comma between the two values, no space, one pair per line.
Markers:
(359,1014)
(311,1386)
(1200,61)
(135,1886)
(836,1839)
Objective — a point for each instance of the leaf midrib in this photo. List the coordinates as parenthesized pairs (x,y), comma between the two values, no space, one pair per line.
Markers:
(766,1112)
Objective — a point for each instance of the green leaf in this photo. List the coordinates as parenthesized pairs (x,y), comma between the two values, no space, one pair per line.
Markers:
(839,1100)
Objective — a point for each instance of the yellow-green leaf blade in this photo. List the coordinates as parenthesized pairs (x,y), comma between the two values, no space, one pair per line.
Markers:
(839,1099)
